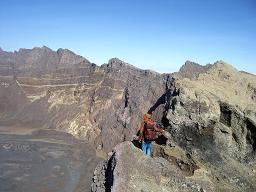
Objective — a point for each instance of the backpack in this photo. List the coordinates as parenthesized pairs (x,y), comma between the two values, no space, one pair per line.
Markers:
(150,133)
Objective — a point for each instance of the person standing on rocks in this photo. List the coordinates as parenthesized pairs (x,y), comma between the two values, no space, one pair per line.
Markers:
(148,130)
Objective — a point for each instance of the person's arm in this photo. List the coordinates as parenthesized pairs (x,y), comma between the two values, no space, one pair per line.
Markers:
(158,129)
(141,131)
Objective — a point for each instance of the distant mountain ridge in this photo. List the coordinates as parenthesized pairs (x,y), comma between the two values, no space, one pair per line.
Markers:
(42,60)
(39,61)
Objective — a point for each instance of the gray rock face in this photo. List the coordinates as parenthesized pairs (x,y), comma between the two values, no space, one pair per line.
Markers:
(218,103)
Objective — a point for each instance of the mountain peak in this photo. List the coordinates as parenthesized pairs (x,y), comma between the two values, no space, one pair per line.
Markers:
(61,50)
(45,48)
(115,60)
(188,62)
(222,65)
(68,57)
(118,63)
(192,70)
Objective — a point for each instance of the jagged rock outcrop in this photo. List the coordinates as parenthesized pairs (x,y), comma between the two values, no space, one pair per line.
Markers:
(218,102)
(127,169)
(211,118)
(171,169)
(191,70)
(68,58)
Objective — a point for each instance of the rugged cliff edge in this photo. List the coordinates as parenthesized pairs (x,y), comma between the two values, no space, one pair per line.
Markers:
(209,112)
(212,124)
(128,169)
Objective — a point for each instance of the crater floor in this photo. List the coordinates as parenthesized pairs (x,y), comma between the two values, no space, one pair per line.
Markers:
(44,160)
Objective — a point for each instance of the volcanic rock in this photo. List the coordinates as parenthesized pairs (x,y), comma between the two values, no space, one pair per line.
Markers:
(208,111)
(127,169)
(211,118)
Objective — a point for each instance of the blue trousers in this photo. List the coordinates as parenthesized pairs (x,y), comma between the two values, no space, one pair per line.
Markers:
(146,147)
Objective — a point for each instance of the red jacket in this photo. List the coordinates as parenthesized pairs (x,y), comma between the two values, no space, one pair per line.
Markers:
(142,129)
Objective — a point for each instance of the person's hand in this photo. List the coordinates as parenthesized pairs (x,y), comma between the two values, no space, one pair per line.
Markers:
(140,138)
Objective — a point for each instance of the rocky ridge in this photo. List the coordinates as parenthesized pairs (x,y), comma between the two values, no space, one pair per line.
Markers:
(210,115)
(211,147)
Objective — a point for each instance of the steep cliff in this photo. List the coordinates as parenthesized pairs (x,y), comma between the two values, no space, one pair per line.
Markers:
(210,145)
(101,104)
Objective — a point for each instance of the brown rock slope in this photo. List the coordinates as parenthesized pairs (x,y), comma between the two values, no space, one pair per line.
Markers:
(64,91)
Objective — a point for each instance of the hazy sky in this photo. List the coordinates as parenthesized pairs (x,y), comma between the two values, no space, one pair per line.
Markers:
(159,35)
